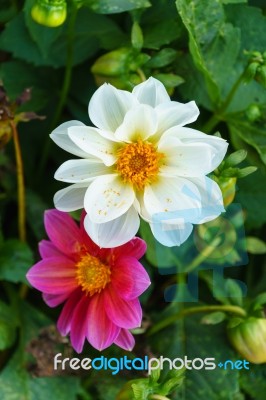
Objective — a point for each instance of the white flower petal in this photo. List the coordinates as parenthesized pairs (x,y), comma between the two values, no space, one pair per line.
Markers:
(61,138)
(139,123)
(172,194)
(90,140)
(107,198)
(188,136)
(108,107)
(186,159)
(211,199)
(151,92)
(78,171)
(70,198)
(171,232)
(116,232)
(174,113)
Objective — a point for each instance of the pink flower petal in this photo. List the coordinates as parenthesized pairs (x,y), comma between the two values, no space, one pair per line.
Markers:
(129,278)
(62,231)
(48,249)
(55,275)
(79,323)
(53,300)
(126,314)
(65,318)
(101,331)
(135,248)
(125,339)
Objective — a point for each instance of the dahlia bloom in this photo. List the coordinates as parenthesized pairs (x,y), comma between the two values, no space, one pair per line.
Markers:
(100,287)
(139,160)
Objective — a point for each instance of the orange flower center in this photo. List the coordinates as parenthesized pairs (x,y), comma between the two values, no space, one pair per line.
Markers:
(138,163)
(92,274)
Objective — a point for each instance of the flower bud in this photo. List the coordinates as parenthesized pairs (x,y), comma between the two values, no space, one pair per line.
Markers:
(228,188)
(51,13)
(115,67)
(253,113)
(114,63)
(251,70)
(248,337)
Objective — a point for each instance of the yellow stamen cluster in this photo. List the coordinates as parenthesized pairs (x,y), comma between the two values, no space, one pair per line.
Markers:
(92,274)
(138,163)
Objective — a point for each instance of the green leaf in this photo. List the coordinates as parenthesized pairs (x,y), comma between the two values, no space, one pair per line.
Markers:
(210,38)
(235,158)
(258,303)
(115,6)
(255,245)
(230,293)
(169,80)
(162,58)
(213,318)
(243,172)
(254,384)
(8,324)
(7,11)
(233,1)
(136,36)
(9,41)
(141,389)
(201,341)
(254,135)
(155,373)
(252,22)
(29,77)
(91,32)
(16,383)
(42,35)
(173,379)
(252,196)
(15,260)
(153,38)
(35,207)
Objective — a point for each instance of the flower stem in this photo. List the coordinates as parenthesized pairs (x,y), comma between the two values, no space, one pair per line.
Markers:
(21,185)
(206,252)
(21,198)
(158,397)
(211,123)
(65,87)
(141,75)
(194,310)
(216,117)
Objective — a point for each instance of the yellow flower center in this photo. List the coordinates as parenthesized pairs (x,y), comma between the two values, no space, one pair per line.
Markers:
(92,274)
(138,163)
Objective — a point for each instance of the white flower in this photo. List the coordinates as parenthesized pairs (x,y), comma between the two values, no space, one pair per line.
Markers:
(140,160)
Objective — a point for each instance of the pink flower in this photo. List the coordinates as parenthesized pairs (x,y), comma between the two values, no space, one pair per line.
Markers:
(100,287)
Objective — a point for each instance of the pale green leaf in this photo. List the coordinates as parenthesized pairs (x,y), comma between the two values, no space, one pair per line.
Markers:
(255,245)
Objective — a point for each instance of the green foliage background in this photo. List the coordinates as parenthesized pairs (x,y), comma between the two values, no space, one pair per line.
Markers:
(200,50)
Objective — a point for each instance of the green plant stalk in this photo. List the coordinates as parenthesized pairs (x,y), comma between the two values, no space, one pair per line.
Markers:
(202,255)
(141,75)
(65,87)
(21,185)
(21,198)
(158,397)
(195,310)
(217,116)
